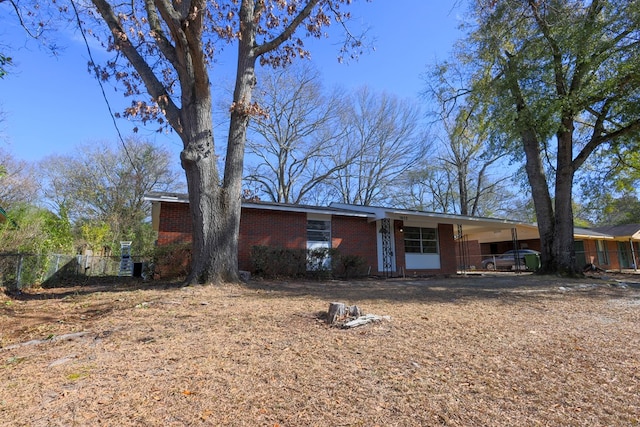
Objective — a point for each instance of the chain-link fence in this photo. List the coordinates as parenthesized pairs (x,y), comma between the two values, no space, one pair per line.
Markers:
(19,270)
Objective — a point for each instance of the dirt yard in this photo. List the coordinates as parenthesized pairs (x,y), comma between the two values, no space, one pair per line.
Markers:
(499,350)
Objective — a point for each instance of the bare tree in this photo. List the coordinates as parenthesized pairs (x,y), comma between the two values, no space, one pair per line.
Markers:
(293,140)
(17,181)
(383,141)
(168,47)
(469,153)
(428,186)
(99,184)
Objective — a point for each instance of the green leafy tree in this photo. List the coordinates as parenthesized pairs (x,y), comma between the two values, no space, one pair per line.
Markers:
(606,208)
(5,62)
(97,235)
(59,233)
(609,186)
(562,80)
(34,230)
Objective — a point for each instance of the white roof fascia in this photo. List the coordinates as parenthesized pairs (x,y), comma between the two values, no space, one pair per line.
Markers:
(183,198)
(305,209)
(167,197)
(405,215)
(585,234)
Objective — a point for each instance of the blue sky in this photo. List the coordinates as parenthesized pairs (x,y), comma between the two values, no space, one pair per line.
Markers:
(52,104)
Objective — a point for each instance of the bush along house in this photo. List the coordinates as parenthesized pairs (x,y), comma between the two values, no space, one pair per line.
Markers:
(350,240)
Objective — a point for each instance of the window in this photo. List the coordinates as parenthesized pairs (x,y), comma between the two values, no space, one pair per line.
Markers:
(601,250)
(318,231)
(318,244)
(418,240)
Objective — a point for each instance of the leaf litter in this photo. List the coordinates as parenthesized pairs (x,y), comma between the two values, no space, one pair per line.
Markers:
(491,350)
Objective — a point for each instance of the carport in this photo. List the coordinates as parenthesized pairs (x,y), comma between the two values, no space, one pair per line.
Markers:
(396,228)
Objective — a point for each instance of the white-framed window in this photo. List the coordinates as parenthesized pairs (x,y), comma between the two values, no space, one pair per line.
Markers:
(319,231)
(420,240)
(601,251)
(318,242)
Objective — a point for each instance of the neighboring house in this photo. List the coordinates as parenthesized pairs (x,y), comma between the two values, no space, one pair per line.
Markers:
(391,241)
(609,248)
(621,250)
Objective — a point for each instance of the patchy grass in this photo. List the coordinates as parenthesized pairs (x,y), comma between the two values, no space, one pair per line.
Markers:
(497,350)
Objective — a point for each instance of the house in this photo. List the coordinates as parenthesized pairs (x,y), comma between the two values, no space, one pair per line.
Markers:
(619,250)
(390,241)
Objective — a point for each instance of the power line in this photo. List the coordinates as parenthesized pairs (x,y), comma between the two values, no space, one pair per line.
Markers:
(104,95)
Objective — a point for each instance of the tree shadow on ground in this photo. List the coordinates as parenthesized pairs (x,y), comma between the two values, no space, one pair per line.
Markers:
(513,287)
(455,289)
(91,285)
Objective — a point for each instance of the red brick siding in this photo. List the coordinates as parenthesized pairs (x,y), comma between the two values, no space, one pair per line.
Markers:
(614,255)
(447,249)
(260,227)
(174,224)
(448,262)
(355,236)
(350,235)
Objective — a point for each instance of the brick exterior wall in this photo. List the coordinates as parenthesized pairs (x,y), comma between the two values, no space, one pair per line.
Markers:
(591,254)
(262,227)
(265,227)
(447,252)
(174,224)
(473,254)
(259,227)
(355,236)
(448,261)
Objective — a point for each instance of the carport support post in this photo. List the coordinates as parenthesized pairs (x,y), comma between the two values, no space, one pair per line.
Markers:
(516,244)
(633,256)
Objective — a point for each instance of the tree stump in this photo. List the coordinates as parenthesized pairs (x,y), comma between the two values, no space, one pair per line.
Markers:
(337,311)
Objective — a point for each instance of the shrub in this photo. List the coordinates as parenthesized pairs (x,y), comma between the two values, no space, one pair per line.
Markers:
(320,263)
(272,262)
(171,261)
(350,266)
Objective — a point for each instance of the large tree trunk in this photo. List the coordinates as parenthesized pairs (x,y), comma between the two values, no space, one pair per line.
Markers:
(535,172)
(215,220)
(214,233)
(462,187)
(215,206)
(541,200)
(563,247)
